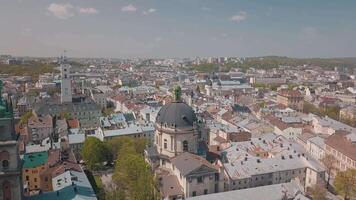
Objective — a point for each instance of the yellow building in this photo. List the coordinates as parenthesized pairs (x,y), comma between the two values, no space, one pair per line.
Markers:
(34,164)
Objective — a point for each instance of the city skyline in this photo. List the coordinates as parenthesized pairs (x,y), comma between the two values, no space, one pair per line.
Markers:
(152,28)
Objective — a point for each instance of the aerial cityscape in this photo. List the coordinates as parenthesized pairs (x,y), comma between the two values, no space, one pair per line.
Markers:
(174,100)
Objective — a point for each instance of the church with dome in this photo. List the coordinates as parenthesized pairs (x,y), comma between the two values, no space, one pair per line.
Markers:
(175,156)
(176,128)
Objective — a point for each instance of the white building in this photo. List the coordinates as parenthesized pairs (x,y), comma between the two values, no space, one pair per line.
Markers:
(269,160)
(316,147)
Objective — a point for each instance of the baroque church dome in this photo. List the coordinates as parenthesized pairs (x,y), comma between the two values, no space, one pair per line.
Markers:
(176,114)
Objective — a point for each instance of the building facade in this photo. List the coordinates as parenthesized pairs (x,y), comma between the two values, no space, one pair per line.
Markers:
(10,168)
(342,147)
(291,98)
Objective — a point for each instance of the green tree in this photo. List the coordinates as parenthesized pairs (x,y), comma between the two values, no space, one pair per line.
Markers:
(108,111)
(94,153)
(25,117)
(115,194)
(136,145)
(345,184)
(116,144)
(134,175)
(65,115)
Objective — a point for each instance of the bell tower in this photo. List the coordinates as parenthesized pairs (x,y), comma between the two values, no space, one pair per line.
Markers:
(66,85)
(10,167)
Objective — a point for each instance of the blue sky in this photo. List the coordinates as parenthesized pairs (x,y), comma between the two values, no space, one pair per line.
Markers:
(178,28)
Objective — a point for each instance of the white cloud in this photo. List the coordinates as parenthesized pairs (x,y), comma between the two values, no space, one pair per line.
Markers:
(149,11)
(206,8)
(239,17)
(61,11)
(129,8)
(89,11)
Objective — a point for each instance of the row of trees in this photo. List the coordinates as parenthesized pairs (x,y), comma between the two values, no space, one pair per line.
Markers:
(33,69)
(331,112)
(133,177)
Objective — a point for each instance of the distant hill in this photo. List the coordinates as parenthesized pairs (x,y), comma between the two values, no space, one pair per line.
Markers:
(269,62)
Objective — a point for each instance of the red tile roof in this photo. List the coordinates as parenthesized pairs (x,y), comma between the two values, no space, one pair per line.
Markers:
(73,123)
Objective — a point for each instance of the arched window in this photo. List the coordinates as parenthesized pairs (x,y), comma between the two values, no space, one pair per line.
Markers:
(5,164)
(185,145)
(6,188)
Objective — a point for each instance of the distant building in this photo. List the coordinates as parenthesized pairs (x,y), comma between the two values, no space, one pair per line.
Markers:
(99,98)
(13,61)
(268,80)
(291,98)
(88,113)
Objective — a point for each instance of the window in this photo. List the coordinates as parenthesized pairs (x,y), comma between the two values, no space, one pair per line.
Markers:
(194,193)
(171,143)
(27,178)
(200,179)
(6,188)
(216,176)
(185,145)
(165,143)
(5,164)
(35,180)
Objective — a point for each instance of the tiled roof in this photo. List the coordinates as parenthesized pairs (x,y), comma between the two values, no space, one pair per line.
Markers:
(339,142)
(33,160)
(187,162)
